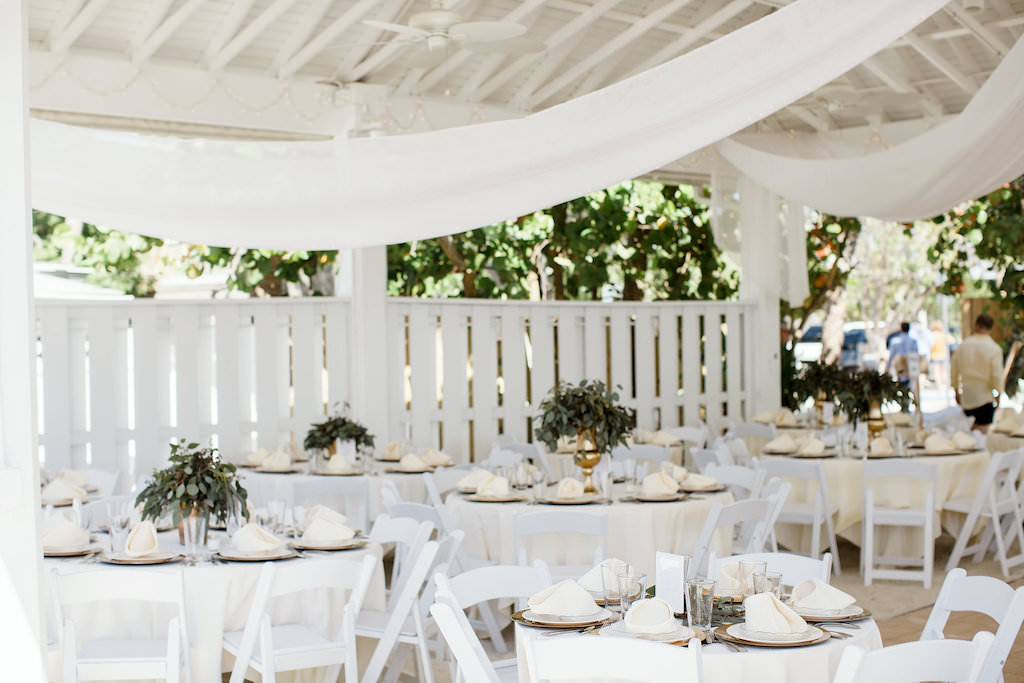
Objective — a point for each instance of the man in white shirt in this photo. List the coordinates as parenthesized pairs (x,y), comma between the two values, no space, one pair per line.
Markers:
(977,374)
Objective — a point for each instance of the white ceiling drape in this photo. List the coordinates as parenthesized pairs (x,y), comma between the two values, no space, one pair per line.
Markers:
(382,190)
(961,159)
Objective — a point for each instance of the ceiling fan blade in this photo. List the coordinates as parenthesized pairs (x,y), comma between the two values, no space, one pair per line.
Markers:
(396,28)
(512,46)
(485,31)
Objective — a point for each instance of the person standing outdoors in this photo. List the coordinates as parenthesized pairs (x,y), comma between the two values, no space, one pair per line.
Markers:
(902,345)
(938,355)
(977,374)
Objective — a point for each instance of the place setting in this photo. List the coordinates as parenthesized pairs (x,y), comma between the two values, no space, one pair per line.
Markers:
(326,530)
(565,605)
(489,488)
(568,491)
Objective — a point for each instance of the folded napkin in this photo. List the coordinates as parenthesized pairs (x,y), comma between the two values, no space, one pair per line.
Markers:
(323,512)
(325,530)
(436,458)
(493,486)
(816,594)
(411,461)
(663,438)
(394,450)
(767,614)
(732,580)
(880,446)
(473,479)
(278,460)
(254,538)
(650,616)
(812,446)
(611,568)
(644,435)
(59,532)
(527,471)
(782,444)
(257,457)
(785,418)
(338,463)
(697,482)
(964,441)
(659,484)
(938,444)
(766,417)
(675,471)
(564,599)
(569,488)
(60,490)
(142,540)
(74,478)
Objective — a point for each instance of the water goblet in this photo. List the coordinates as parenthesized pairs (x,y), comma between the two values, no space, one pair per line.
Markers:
(700,604)
(747,570)
(632,587)
(768,582)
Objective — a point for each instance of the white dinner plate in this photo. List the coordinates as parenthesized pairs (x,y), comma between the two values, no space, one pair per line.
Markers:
(350,544)
(511,498)
(70,551)
(618,628)
(337,473)
(741,631)
(282,470)
(670,498)
(810,613)
(281,553)
(585,499)
(550,619)
(161,557)
(399,470)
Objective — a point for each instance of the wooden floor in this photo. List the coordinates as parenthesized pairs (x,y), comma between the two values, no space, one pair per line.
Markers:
(961,625)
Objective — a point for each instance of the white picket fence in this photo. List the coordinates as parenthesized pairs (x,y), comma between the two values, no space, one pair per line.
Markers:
(118,379)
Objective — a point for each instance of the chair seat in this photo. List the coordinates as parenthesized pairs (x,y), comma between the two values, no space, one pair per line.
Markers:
(372,623)
(795,513)
(963,504)
(122,659)
(291,642)
(898,516)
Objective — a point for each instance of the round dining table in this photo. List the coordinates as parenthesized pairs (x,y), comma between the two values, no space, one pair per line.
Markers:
(997,442)
(217,599)
(805,664)
(636,530)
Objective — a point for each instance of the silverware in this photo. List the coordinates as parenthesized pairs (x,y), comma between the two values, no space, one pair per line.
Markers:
(836,624)
(567,631)
(836,634)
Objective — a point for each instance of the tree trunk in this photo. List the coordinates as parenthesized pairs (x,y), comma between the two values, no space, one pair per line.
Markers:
(832,327)
(559,215)
(469,284)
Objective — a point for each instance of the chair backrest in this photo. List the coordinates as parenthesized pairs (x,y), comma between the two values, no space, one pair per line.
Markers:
(409,537)
(95,515)
(104,480)
(494,582)
(350,495)
(756,430)
(421,512)
(985,594)
(388,492)
(448,549)
(620,659)
(737,449)
(561,522)
(534,452)
(744,482)
(750,516)
(899,468)
(441,481)
(698,436)
(1000,481)
(458,633)
(644,451)
(794,568)
(503,457)
(808,470)
(924,660)
(777,491)
(703,458)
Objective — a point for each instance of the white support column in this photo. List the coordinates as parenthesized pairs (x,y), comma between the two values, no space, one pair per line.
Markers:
(759,283)
(21,641)
(368,333)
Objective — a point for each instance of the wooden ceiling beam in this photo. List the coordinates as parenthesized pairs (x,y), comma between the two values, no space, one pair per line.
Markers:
(324,38)
(929,104)
(68,33)
(155,13)
(303,31)
(165,30)
(931,53)
(390,11)
(702,30)
(542,73)
(982,32)
(251,32)
(819,122)
(233,20)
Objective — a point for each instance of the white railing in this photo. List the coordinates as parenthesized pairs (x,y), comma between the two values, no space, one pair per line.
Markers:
(118,379)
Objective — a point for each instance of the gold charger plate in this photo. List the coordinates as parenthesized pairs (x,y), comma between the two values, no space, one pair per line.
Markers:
(775,452)
(495,499)
(385,459)
(62,502)
(585,499)
(283,553)
(722,633)
(396,470)
(865,613)
(162,558)
(72,552)
(247,465)
(674,498)
(351,544)
(716,489)
(520,619)
(287,470)
(346,473)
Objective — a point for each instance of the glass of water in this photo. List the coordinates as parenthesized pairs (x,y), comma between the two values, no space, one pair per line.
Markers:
(632,587)
(119,525)
(768,582)
(700,603)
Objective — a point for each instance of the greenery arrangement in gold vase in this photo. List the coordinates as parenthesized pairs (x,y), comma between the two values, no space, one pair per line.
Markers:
(197,482)
(588,411)
(338,427)
(865,392)
(822,382)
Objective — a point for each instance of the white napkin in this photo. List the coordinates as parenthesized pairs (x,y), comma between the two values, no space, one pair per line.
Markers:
(325,530)
(880,446)
(74,478)
(278,460)
(394,450)
(699,482)
(474,479)
(254,538)
(611,568)
(644,435)
(767,614)
(338,463)
(936,443)
(900,419)
(59,532)
(766,417)
(782,444)
(659,484)
(411,461)
(650,616)
(964,441)
(526,470)
(60,490)
(323,512)
(785,418)
(812,446)
(142,540)
(816,594)
(675,471)
(434,457)
(663,438)
(569,488)
(731,580)
(564,599)
(493,486)
(257,457)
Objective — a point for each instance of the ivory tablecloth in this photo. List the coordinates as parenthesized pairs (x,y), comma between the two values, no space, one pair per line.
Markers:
(217,599)
(635,530)
(998,442)
(812,664)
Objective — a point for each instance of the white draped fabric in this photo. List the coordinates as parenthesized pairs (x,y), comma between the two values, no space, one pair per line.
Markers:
(963,158)
(382,190)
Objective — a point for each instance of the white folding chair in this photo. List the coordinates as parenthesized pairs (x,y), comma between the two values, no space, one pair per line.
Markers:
(104,481)
(756,430)
(502,457)
(562,522)
(748,520)
(388,492)
(698,436)
(990,596)
(777,491)
(408,536)
(947,416)
(350,495)
(813,514)
(794,568)
(442,481)
(95,515)
(703,458)
(929,660)
(267,648)
(122,658)
(641,452)
(619,659)
(471,659)
(744,482)
(534,452)
(422,512)
(997,499)
(923,517)
(737,449)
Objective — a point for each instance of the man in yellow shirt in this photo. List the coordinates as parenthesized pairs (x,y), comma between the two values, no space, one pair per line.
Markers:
(977,374)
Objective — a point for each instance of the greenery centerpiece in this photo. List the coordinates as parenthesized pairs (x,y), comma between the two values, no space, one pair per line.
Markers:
(821,381)
(588,412)
(864,393)
(197,482)
(338,427)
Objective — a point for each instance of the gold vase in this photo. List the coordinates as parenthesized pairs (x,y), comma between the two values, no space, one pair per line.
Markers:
(586,458)
(819,408)
(876,423)
(181,526)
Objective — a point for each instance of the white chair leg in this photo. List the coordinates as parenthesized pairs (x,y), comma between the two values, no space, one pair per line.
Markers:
(833,543)
(491,625)
(173,652)
(396,664)
(422,648)
(929,547)
(867,549)
(70,653)
(267,652)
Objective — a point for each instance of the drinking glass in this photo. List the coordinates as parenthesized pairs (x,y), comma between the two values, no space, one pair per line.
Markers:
(194,527)
(275,509)
(632,587)
(610,570)
(700,603)
(119,523)
(768,582)
(538,487)
(747,570)
(629,467)
(605,484)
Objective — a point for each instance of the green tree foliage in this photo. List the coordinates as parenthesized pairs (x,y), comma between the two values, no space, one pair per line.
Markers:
(263,272)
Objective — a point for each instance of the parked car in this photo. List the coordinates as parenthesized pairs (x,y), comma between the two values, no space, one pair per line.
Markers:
(854,352)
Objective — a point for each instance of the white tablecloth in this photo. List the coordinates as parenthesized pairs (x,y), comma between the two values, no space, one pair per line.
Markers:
(812,664)
(958,475)
(635,530)
(217,599)
(998,442)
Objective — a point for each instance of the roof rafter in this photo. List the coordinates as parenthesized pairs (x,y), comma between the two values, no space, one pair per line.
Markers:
(303,30)
(323,39)
(554,60)
(819,122)
(482,73)
(983,33)
(232,22)
(634,32)
(155,13)
(929,104)
(248,34)
(64,36)
(931,53)
(698,32)
(165,30)
(390,12)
